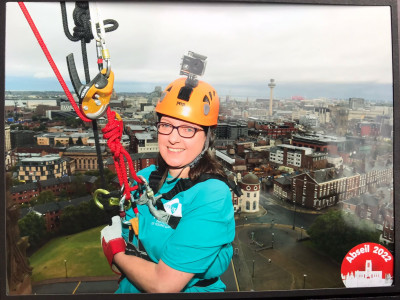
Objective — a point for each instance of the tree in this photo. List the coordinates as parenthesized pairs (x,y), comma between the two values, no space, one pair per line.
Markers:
(84,216)
(108,178)
(63,195)
(70,141)
(337,232)
(78,187)
(33,226)
(44,197)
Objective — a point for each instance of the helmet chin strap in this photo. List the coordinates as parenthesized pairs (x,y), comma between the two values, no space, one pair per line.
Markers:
(206,144)
(198,157)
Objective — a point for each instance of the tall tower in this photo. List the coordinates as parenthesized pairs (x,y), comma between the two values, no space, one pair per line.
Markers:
(271,85)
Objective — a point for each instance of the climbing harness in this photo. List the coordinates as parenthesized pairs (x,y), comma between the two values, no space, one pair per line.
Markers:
(155,204)
(157,209)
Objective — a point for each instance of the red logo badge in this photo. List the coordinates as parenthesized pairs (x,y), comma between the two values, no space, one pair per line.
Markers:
(367,265)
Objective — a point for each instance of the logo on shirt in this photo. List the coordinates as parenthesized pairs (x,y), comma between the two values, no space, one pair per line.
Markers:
(173,207)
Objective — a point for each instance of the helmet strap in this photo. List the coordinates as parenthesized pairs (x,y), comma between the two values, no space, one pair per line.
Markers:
(205,148)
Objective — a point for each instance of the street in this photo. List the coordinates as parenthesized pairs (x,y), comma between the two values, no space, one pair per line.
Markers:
(270,254)
(279,212)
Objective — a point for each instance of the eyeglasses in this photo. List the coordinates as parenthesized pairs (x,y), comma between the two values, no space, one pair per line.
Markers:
(183,130)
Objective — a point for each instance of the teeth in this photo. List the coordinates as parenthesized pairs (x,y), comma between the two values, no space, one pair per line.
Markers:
(175,150)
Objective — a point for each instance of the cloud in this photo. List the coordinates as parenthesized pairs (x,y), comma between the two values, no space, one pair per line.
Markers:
(245,43)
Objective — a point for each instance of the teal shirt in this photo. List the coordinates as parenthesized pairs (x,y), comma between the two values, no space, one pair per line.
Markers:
(200,244)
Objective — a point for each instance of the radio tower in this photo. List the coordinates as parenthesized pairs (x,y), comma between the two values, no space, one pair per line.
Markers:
(271,85)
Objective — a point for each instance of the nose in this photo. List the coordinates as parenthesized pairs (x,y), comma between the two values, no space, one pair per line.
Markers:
(174,136)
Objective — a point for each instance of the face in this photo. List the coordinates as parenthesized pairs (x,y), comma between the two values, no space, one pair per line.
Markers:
(178,151)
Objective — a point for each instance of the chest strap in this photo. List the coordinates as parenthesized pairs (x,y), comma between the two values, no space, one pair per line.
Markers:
(183,185)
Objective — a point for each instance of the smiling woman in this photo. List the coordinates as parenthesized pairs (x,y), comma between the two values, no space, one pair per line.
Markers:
(324,141)
(197,223)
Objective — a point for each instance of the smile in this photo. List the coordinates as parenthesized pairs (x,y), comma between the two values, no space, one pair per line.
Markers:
(175,150)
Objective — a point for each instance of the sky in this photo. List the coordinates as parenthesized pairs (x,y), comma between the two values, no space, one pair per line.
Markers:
(312,51)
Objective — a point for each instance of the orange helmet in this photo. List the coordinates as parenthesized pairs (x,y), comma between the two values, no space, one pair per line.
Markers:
(198,105)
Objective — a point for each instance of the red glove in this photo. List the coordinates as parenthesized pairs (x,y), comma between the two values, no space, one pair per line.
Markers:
(112,241)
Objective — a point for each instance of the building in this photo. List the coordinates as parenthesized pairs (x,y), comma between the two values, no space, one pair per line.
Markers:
(272,129)
(231,161)
(298,158)
(52,211)
(22,138)
(144,142)
(310,120)
(387,236)
(33,169)
(231,130)
(85,157)
(356,103)
(139,161)
(250,200)
(321,143)
(283,188)
(371,129)
(24,193)
(7,138)
(318,190)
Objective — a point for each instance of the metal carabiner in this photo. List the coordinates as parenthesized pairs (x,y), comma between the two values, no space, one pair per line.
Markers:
(99,32)
(122,208)
(111,201)
(148,195)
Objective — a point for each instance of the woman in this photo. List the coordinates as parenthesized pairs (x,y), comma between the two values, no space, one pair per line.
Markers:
(190,253)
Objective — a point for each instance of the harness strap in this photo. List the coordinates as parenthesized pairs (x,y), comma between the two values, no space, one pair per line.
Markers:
(183,185)
(206,282)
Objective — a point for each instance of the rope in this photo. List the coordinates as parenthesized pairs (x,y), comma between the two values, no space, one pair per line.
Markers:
(113,133)
(51,61)
(82,30)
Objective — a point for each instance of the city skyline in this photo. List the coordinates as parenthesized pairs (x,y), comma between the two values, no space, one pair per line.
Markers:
(310,50)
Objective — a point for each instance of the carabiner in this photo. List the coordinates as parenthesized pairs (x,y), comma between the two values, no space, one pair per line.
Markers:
(98,32)
(122,209)
(111,201)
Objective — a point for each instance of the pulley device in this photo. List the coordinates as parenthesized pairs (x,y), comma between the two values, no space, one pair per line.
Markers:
(94,96)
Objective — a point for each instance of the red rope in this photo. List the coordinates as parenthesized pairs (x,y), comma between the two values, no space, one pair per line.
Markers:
(51,61)
(113,133)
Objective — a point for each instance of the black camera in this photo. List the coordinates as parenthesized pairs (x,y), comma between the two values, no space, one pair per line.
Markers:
(193,64)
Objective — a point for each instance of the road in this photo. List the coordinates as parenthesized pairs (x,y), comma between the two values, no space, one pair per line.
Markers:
(280,212)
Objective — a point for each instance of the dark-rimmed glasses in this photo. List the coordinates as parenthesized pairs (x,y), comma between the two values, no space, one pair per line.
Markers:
(183,130)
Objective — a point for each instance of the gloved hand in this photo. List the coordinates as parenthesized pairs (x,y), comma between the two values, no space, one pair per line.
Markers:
(112,241)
